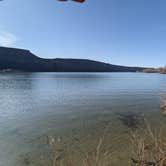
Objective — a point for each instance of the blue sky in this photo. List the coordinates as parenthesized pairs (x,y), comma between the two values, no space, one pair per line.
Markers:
(126,32)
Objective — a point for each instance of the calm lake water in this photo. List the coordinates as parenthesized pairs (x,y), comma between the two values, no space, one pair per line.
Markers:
(72,107)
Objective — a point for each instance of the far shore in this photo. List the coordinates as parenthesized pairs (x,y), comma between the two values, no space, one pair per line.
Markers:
(161,70)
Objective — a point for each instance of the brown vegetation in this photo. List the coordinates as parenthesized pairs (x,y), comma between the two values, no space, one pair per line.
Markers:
(161,70)
(149,148)
(97,157)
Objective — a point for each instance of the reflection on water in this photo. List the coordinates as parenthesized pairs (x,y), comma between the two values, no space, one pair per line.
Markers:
(73,106)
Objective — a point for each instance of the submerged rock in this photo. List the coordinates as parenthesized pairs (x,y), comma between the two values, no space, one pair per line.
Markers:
(130,119)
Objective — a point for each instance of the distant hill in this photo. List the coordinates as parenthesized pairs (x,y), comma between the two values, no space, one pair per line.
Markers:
(24,60)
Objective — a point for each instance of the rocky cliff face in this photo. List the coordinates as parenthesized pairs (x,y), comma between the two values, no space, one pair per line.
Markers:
(24,60)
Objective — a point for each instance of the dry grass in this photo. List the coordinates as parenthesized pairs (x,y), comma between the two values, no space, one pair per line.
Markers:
(96,157)
(149,147)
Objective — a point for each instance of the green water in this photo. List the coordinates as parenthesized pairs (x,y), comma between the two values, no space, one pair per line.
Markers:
(76,108)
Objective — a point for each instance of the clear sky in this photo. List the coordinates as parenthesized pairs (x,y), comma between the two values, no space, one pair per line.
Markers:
(126,32)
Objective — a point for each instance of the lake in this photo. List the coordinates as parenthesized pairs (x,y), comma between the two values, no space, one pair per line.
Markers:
(76,109)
